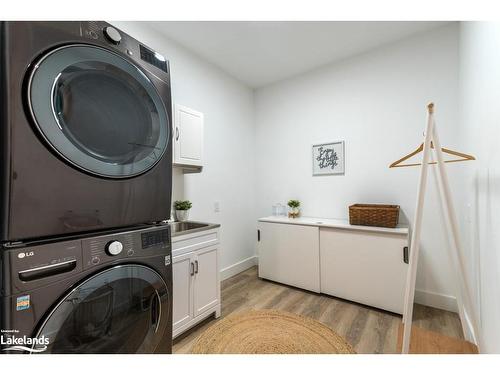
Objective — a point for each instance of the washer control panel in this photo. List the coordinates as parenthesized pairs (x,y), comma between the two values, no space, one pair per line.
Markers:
(139,243)
(41,264)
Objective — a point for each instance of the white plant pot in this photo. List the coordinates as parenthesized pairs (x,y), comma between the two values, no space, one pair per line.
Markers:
(182,215)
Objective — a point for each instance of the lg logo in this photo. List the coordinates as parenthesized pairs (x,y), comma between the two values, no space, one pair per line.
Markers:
(26,254)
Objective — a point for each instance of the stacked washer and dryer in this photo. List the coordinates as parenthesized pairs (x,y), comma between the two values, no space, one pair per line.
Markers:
(86,171)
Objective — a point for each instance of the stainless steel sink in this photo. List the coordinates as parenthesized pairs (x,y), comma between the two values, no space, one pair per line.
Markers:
(182,227)
(186,225)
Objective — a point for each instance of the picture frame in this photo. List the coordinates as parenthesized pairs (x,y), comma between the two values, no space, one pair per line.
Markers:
(328,158)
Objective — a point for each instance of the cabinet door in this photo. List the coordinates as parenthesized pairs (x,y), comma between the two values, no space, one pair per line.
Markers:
(365,267)
(188,136)
(289,254)
(206,280)
(182,274)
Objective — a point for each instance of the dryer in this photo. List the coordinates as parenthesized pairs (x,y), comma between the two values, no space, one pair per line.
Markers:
(110,293)
(85,130)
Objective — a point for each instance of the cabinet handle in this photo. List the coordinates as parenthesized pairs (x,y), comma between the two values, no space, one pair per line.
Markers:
(258,235)
(406,254)
(176,133)
(195,266)
(192,268)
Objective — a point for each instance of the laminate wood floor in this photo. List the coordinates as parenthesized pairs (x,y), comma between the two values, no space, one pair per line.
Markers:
(367,329)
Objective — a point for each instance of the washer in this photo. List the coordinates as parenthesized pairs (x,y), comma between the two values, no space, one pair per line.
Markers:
(85,130)
(105,294)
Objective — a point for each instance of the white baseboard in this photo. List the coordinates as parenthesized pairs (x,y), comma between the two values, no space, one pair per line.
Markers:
(469,331)
(236,268)
(437,300)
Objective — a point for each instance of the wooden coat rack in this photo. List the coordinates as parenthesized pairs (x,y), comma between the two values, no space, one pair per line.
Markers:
(457,258)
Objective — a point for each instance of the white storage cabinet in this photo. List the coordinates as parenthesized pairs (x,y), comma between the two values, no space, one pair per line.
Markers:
(188,137)
(196,282)
(289,254)
(361,264)
(365,267)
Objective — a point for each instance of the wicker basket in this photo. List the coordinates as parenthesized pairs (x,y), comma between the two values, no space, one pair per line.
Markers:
(375,215)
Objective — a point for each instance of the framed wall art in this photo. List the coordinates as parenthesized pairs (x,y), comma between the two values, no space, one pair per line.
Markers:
(328,158)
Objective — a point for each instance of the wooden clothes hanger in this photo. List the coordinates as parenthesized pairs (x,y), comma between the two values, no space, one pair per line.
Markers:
(461,156)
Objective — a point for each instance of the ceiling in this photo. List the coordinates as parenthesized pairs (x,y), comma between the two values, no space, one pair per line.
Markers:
(259,53)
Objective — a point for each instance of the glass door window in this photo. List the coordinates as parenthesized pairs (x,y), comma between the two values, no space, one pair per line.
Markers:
(98,111)
(121,310)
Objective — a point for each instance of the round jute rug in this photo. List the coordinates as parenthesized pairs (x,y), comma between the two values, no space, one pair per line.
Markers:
(270,332)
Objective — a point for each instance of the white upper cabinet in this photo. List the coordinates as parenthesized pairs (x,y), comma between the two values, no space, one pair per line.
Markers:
(188,137)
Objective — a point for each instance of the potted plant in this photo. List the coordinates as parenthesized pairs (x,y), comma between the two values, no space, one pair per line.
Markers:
(182,209)
(294,208)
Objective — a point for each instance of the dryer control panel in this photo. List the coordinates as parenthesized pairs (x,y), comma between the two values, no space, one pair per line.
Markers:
(97,31)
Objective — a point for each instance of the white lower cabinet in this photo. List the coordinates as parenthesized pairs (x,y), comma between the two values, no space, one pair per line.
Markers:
(361,264)
(182,268)
(363,267)
(196,284)
(206,281)
(289,254)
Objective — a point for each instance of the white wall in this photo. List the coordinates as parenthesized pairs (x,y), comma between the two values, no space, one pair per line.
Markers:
(376,103)
(480,131)
(229,172)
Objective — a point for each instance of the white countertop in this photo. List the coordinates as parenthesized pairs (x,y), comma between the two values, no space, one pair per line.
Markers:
(333,223)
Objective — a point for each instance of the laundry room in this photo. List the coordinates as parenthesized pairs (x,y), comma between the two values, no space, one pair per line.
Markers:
(278,183)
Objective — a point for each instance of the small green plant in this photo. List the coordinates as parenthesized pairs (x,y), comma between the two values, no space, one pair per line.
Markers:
(293,203)
(182,205)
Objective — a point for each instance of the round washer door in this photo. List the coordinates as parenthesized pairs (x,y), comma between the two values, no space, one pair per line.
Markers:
(98,111)
(120,310)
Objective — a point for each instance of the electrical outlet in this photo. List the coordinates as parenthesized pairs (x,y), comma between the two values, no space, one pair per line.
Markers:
(216,206)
